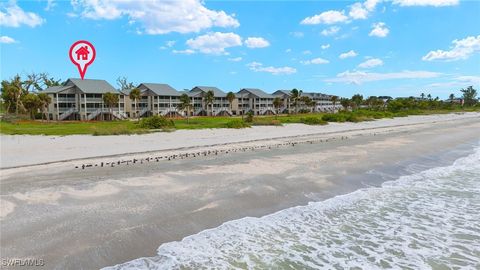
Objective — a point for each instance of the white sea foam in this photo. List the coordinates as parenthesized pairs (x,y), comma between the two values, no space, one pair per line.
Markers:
(427,220)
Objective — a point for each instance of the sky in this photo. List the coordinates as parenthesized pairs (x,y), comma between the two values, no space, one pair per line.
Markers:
(398,48)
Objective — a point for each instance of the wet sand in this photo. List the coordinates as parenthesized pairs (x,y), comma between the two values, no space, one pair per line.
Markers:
(75,218)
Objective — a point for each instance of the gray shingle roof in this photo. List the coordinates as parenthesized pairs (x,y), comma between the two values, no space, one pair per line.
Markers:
(315,95)
(55,89)
(282,92)
(161,89)
(90,86)
(216,92)
(257,92)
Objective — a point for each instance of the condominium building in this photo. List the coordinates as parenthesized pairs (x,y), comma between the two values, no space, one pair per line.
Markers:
(256,101)
(83,100)
(80,99)
(219,106)
(157,99)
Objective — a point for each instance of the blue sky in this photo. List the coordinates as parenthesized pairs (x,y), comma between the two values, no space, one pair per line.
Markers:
(397,48)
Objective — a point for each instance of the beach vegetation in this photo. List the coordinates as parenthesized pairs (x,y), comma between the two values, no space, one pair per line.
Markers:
(185,105)
(314,121)
(156,122)
(237,123)
(469,96)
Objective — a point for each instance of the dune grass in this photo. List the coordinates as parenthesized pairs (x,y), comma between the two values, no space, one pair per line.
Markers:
(28,127)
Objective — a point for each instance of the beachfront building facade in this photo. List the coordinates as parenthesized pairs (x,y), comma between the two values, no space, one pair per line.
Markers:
(83,100)
(80,99)
(156,99)
(255,101)
(220,105)
(323,102)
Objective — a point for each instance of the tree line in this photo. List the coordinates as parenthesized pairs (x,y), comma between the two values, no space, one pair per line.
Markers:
(21,95)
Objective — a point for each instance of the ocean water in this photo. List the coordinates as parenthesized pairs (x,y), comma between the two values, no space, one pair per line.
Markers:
(427,220)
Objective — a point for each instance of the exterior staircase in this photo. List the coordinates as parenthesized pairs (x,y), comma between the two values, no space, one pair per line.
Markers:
(94,114)
(227,110)
(119,115)
(143,111)
(66,114)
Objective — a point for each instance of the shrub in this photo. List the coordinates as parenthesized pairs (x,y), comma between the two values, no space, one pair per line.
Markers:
(334,117)
(112,131)
(237,123)
(313,121)
(249,118)
(156,122)
(266,122)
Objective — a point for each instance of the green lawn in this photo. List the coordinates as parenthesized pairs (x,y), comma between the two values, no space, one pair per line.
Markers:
(132,127)
(68,128)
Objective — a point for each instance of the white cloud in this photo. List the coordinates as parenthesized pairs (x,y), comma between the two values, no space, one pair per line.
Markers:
(258,67)
(325,46)
(158,16)
(50,5)
(435,3)
(462,49)
(327,17)
(330,31)
(357,11)
(288,50)
(371,4)
(306,52)
(187,51)
(7,40)
(348,54)
(256,42)
(457,82)
(235,59)
(13,16)
(297,34)
(315,61)
(475,80)
(359,77)
(370,63)
(214,43)
(379,30)
(170,43)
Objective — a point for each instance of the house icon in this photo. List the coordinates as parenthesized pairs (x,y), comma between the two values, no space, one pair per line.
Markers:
(82,53)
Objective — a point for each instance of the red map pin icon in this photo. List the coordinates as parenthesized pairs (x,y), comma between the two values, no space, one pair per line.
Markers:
(82,54)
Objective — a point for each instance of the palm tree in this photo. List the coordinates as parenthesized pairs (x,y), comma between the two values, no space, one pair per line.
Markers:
(306,101)
(334,102)
(45,100)
(230,97)
(32,103)
(135,95)
(422,95)
(209,98)
(469,95)
(345,103)
(295,96)
(110,100)
(277,103)
(451,97)
(17,90)
(429,97)
(185,104)
(357,100)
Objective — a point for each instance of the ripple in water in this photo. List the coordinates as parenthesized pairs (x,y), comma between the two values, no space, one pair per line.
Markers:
(428,220)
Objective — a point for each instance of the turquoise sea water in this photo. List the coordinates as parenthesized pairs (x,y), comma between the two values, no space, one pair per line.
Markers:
(426,220)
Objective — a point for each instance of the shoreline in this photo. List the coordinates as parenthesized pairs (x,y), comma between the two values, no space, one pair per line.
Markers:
(314,131)
(114,215)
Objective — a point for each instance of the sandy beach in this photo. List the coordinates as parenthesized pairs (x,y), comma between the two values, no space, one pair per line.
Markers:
(74,218)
